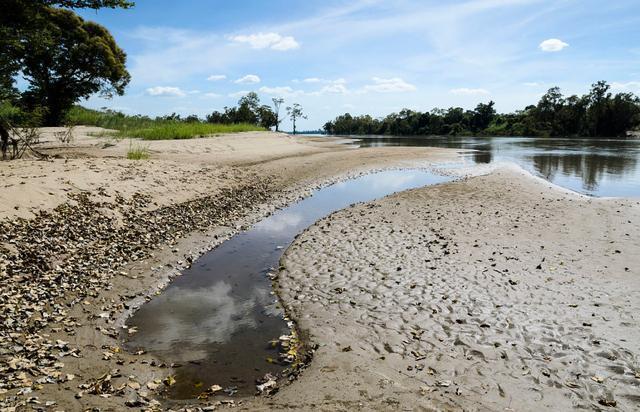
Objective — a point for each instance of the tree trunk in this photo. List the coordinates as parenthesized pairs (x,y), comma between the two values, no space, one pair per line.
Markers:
(4,141)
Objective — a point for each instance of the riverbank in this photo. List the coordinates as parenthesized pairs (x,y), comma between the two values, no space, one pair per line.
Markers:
(88,235)
(500,292)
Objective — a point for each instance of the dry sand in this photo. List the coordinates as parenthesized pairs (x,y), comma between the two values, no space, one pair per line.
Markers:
(495,293)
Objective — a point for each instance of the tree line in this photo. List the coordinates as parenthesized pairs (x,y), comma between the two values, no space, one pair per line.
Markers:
(250,111)
(598,113)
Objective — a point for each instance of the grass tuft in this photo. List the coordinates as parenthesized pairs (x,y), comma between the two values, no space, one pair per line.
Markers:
(137,152)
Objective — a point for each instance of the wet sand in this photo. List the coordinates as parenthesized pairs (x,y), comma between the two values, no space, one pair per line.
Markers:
(499,292)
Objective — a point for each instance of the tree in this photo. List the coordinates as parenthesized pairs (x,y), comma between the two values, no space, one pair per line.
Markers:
(295,113)
(277,102)
(267,117)
(70,59)
(62,57)
(247,111)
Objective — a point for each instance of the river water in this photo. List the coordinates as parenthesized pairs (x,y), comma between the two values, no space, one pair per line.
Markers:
(595,167)
(216,321)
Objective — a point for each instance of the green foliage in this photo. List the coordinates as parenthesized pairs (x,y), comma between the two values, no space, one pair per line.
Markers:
(88,4)
(107,119)
(248,111)
(596,114)
(62,57)
(160,128)
(70,59)
(180,130)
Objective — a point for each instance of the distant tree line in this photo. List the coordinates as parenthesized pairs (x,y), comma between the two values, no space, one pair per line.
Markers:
(250,111)
(597,113)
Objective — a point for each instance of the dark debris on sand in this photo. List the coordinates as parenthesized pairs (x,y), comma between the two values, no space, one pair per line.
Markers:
(56,260)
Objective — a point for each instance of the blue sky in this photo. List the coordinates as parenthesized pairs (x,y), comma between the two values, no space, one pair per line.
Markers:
(369,56)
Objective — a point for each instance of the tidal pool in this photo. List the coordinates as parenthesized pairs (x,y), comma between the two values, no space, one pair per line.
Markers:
(216,321)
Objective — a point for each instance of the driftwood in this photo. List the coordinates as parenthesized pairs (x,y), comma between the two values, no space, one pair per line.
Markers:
(16,141)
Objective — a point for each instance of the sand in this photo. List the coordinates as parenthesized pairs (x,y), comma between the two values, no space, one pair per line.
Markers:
(499,292)
(89,235)
(181,170)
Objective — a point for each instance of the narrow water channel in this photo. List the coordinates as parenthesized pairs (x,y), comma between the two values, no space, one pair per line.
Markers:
(217,320)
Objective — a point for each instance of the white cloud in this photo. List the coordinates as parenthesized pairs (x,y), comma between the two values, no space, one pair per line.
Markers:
(553,45)
(273,41)
(216,77)
(633,86)
(393,85)
(280,91)
(313,80)
(165,91)
(463,91)
(335,88)
(212,95)
(532,84)
(239,94)
(248,79)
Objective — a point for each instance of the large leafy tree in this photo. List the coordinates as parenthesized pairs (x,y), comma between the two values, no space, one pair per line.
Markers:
(62,57)
(70,59)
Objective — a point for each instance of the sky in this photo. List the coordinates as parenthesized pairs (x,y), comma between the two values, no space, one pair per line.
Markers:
(368,56)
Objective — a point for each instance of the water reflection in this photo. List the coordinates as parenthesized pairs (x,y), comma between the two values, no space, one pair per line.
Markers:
(598,167)
(217,319)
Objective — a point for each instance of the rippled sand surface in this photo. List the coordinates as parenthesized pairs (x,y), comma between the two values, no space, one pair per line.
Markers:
(494,293)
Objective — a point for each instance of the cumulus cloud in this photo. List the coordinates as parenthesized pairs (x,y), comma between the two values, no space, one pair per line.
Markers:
(212,95)
(273,41)
(393,85)
(553,45)
(532,84)
(464,91)
(165,91)
(312,80)
(216,77)
(248,79)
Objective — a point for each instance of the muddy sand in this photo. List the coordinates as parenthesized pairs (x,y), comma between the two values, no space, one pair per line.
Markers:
(495,293)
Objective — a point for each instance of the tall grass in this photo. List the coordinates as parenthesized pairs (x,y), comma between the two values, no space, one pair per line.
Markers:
(143,127)
(179,130)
